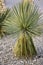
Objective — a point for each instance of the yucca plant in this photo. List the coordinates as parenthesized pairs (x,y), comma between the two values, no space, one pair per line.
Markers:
(25,19)
(2,22)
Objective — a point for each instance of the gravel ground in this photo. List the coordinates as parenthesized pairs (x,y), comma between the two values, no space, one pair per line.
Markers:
(7,57)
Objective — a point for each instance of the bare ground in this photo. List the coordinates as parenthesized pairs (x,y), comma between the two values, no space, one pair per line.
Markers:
(7,57)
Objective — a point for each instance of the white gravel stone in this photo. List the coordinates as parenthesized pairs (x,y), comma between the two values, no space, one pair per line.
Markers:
(6,54)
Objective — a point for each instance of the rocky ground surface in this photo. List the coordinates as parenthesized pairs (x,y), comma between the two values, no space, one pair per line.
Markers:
(7,57)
